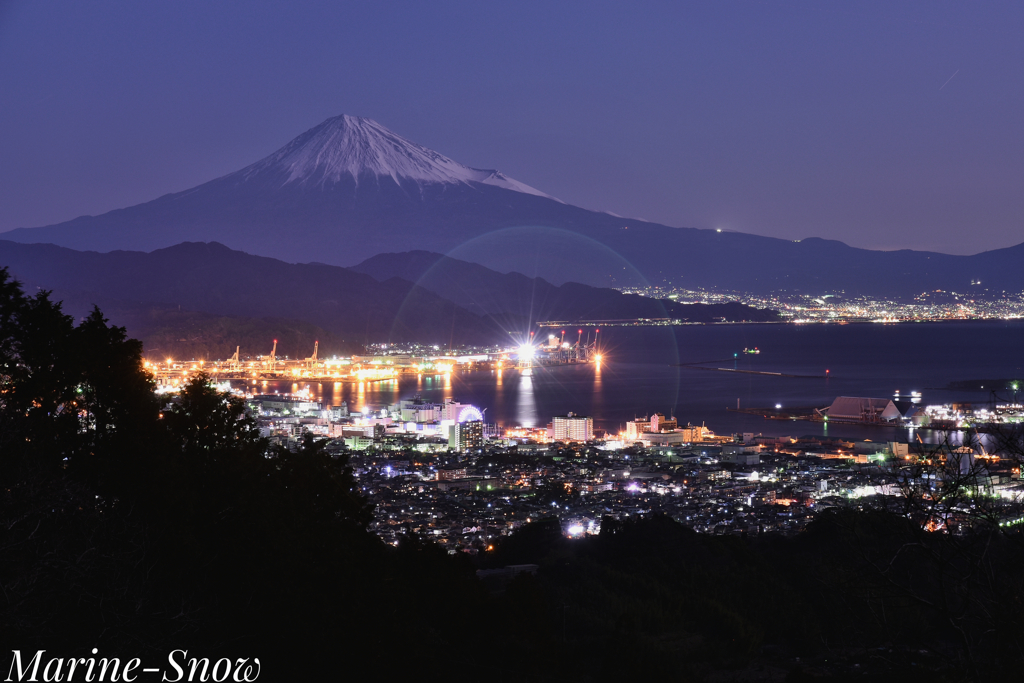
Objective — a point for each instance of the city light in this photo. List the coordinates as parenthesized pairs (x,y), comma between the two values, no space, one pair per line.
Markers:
(833,308)
(721,475)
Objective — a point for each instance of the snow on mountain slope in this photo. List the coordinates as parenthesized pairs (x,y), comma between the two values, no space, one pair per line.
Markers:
(354,146)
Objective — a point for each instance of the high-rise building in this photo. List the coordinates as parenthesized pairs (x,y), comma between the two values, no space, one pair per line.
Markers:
(572,428)
(463,436)
(656,423)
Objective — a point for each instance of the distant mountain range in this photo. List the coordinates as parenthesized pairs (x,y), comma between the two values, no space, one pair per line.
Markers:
(350,189)
(212,279)
(202,299)
(514,296)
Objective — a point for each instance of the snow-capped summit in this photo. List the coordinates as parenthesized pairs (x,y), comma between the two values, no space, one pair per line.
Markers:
(347,147)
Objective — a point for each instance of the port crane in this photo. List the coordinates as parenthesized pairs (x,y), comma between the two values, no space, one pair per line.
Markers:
(312,360)
(233,362)
(581,351)
(271,361)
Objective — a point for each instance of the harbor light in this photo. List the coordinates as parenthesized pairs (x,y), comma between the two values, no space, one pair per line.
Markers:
(526,351)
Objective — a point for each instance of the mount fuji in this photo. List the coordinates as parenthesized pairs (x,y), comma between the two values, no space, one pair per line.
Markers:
(339,193)
(349,148)
(349,189)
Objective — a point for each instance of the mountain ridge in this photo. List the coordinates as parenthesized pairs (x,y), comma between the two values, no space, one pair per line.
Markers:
(305,203)
(209,279)
(487,292)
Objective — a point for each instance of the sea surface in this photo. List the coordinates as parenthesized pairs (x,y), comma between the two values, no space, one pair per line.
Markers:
(641,374)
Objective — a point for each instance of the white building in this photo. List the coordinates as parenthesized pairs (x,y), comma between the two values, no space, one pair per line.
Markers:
(863,409)
(572,428)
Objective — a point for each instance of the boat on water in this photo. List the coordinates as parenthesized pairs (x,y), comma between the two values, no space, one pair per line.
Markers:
(753,351)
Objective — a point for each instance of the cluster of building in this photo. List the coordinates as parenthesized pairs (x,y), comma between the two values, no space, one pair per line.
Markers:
(978,304)
(751,485)
(433,426)
(909,411)
(927,306)
(965,415)
(440,471)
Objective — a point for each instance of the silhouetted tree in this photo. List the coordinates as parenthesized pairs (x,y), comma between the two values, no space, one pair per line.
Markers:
(319,484)
(71,397)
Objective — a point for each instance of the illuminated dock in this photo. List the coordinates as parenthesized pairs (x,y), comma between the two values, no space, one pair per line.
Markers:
(377,367)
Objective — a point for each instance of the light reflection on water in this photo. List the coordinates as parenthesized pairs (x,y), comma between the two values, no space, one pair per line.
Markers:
(638,376)
(511,397)
(526,404)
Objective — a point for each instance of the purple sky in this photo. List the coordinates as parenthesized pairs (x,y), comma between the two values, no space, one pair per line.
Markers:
(883,124)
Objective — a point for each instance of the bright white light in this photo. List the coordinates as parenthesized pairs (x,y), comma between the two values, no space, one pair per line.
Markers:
(778,406)
(526,351)
(470,414)
(575,530)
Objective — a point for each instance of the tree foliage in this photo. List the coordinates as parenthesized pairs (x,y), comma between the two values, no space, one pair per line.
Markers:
(122,508)
(70,396)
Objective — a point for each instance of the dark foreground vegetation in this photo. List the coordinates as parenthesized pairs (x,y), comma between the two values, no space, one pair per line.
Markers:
(137,527)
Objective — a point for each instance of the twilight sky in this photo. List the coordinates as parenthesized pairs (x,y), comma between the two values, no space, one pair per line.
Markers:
(882,124)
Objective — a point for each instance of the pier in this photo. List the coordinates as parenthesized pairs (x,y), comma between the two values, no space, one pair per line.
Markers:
(692,366)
